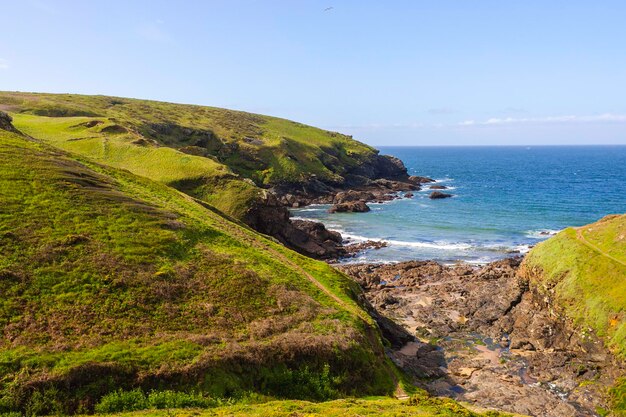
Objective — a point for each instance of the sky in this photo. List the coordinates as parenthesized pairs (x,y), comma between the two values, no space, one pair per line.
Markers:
(438,72)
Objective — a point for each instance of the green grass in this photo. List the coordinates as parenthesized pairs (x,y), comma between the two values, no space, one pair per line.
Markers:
(589,286)
(617,395)
(582,272)
(197,175)
(111,280)
(416,406)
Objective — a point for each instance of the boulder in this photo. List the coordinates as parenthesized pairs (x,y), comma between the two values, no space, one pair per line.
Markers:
(438,187)
(420,180)
(350,207)
(353,195)
(437,195)
(408,195)
(5,122)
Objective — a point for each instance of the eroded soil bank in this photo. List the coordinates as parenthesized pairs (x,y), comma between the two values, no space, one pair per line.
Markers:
(482,335)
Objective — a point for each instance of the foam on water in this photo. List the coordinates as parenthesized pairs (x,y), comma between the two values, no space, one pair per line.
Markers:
(541,234)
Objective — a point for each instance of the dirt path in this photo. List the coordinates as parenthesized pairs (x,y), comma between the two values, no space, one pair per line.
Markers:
(581,238)
(245,236)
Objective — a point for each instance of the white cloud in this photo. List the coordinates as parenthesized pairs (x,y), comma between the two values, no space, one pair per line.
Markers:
(494,121)
(606,117)
(377,126)
(441,111)
(3,64)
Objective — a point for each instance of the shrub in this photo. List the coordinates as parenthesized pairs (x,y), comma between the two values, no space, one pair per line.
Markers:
(177,399)
(304,383)
(44,402)
(120,400)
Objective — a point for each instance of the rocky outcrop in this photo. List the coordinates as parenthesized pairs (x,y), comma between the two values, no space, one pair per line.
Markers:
(438,187)
(270,217)
(350,207)
(377,179)
(379,166)
(6,122)
(435,195)
(352,196)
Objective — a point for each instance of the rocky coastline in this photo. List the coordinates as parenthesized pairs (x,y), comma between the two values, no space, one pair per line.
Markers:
(381,179)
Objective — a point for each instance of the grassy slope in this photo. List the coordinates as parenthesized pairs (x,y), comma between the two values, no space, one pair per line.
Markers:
(584,272)
(265,149)
(111,280)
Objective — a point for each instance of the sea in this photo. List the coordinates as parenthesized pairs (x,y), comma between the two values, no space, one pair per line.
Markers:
(505,200)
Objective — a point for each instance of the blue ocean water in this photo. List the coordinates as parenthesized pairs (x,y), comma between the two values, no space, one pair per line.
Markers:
(506,199)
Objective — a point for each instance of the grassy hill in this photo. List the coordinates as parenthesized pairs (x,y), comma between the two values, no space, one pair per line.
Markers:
(122,293)
(583,271)
(205,151)
(113,281)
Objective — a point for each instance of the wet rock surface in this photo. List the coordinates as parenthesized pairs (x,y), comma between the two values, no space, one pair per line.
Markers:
(354,249)
(438,195)
(350,207)
(484,336)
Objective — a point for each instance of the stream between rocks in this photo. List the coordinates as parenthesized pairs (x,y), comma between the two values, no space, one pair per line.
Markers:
(482,336)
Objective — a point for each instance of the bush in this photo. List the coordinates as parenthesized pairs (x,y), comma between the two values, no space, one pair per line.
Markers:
(120,400)
(47,401)
(304,383)
(177,399)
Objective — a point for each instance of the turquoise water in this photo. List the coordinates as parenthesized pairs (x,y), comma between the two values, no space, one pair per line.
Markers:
(506,199)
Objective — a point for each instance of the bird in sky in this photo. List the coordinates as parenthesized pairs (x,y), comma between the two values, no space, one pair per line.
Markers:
(328,9)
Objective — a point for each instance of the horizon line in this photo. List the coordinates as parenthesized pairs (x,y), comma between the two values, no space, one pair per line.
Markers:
(504,146)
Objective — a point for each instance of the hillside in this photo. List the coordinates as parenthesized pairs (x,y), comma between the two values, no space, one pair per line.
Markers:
(110,280)
(582,273)
(240,163)
(267,150)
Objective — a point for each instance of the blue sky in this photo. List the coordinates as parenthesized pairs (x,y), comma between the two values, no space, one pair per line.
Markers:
(439,72)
